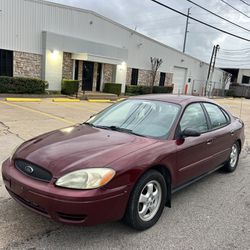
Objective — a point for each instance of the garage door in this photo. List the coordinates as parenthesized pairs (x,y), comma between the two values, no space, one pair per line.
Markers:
(179,79)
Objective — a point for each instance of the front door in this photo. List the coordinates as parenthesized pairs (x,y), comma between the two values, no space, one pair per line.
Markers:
(87,76)
(192,153)
(99,75)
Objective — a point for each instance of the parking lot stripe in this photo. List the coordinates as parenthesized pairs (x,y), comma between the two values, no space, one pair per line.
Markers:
(39,112)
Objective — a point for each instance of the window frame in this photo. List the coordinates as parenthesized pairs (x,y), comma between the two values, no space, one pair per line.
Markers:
(177,130)
(223,111)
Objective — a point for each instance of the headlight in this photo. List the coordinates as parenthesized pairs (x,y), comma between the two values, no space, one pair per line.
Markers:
(14,151)
(86,178)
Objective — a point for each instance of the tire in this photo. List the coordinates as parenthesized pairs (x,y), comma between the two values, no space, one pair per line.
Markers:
(151,190)
(232,162)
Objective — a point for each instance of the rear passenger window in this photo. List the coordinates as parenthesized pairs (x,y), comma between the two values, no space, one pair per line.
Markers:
(216,115)
(194,117)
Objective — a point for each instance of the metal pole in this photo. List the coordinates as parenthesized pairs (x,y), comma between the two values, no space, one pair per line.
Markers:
(209,69)
(217,47)
(186,31)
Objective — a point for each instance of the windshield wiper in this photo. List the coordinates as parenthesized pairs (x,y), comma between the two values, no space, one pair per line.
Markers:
(119,129)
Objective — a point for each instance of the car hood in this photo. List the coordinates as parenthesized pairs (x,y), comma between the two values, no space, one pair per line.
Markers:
(78,147)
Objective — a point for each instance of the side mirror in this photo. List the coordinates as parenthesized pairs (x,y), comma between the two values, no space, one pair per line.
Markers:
(189,132)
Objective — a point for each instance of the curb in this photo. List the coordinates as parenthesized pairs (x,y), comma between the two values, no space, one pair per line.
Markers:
(9,99)
(101,100)
(65,100)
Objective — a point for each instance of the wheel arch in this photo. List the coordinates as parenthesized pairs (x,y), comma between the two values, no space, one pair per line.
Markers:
(168,178)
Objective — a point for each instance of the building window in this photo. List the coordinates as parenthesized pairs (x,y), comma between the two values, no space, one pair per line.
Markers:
(76,69)
(246,79)
(162,79)
(6,62)
(134,77)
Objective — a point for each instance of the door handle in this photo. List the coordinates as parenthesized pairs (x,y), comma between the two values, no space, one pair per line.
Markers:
(209,141)
(232,132)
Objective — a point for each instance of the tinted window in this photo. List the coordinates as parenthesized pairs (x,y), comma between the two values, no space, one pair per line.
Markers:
(6,62)
(134,76)
(194,118)
(216,115)
(162,79)
(147,118)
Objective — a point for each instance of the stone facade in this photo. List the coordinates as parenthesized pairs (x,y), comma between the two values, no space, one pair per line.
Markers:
(27,65)
(95,76)
(108,73)
(67,70)
(128,76)
(145,77)
(169,79)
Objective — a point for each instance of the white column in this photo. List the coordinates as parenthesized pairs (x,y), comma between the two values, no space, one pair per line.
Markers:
(121,74)
(53,69)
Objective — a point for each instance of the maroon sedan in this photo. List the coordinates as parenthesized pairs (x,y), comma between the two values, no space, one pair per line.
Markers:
(124,162)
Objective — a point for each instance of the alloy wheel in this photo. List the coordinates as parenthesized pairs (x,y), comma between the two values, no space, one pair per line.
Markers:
(149,200)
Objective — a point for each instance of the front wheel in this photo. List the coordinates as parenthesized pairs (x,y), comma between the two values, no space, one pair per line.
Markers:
(147,201)
(232,162)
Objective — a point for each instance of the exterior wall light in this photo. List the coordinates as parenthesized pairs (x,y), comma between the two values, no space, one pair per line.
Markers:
(54,54)
(123,64)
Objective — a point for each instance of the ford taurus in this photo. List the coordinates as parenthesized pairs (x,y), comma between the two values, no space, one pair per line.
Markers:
(124,162)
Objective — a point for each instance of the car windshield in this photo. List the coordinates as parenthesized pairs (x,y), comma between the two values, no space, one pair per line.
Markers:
(142,117)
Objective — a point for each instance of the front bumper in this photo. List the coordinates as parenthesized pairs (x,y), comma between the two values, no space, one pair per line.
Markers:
(84,207)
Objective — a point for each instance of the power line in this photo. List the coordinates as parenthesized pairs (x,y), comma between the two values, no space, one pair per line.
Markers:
(245,2)
(225,19)
(197,20)
(233,60)
(235,8)
(236,50)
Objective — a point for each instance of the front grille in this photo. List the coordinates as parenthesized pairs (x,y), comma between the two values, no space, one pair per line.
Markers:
(33,170)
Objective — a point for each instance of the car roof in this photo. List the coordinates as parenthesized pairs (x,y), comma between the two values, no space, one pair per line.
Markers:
(179,99)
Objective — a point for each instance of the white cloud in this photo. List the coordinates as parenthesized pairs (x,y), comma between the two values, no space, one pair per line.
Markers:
(168,27)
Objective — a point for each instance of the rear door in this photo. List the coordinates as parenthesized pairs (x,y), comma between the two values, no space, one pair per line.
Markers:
(192,152)
(221,133)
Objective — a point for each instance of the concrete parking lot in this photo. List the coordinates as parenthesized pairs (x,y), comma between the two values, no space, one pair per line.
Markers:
(213,213)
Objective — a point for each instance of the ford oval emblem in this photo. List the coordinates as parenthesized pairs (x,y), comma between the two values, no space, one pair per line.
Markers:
(28,169)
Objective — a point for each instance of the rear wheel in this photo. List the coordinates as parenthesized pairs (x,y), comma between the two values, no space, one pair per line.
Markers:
(147,201)
(232,163)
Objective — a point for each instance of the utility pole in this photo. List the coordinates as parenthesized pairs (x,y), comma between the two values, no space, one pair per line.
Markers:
(211,67)
(217,47)
(215,54)
(209,70)
(186,31)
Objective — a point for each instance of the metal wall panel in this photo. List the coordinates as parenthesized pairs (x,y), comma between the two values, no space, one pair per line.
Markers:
(22,23)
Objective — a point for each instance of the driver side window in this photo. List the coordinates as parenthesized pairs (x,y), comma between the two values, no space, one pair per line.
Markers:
(194,117)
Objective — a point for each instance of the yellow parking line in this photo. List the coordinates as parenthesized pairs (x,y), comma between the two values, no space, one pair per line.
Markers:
(39,112)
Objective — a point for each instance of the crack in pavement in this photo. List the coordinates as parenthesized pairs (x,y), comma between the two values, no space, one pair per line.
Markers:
(7,128)
(20,244)
(4,200)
